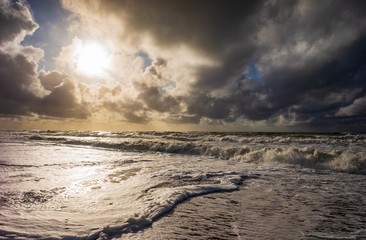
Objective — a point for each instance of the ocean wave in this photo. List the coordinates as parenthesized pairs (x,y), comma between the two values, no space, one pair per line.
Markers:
(102,189)
(309,151)
(310,158)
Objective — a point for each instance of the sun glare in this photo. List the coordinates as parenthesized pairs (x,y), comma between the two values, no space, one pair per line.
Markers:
(92,60)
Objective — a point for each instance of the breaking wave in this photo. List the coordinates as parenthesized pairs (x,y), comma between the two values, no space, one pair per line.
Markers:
(304,150)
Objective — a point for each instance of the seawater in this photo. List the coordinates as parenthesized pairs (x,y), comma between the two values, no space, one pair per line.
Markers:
(103,185)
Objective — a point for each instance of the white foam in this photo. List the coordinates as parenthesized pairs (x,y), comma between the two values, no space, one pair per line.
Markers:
(88,193)
(77,185)
(335,152)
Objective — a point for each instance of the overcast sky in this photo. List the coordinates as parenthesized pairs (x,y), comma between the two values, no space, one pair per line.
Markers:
(183,65)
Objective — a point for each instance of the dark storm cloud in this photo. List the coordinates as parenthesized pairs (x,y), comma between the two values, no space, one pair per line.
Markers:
(298,60)
(285,86)
(61,101)
(23,91)
(20,89)
(309,88)
(310,56)
(17,72)
(149,98)
(345,70)
(221,30)
(209,26)
(155,99)
(16,77)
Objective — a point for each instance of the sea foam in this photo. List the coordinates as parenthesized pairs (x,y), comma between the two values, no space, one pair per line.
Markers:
(101,185)
(339,152)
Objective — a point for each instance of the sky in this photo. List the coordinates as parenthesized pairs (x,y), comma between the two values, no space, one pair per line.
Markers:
(172,65)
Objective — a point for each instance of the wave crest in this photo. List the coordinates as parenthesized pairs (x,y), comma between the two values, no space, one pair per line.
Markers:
(304,151)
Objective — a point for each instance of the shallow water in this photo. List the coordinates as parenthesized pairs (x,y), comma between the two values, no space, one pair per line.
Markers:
(284,205)
(90,185)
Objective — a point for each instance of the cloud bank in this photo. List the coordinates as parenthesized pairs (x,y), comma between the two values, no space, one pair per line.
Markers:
(278,63)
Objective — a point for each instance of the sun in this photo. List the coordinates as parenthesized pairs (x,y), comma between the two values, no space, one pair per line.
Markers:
(92,60)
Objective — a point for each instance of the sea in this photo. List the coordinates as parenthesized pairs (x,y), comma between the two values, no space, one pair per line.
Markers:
(182,185)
